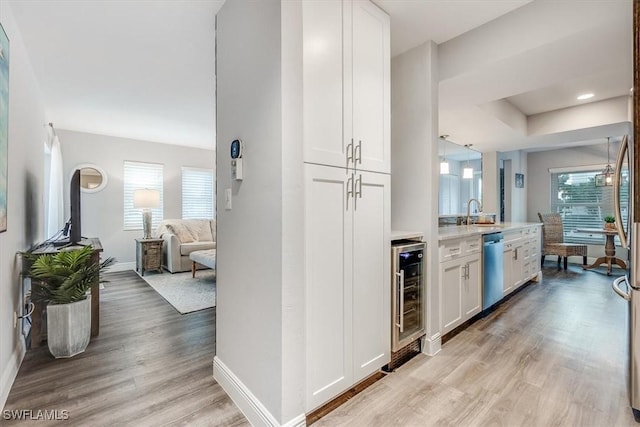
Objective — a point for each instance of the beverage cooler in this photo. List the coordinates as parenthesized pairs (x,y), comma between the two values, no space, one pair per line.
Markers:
(408,293)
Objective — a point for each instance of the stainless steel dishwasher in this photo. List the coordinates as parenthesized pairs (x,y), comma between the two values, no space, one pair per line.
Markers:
(492,265)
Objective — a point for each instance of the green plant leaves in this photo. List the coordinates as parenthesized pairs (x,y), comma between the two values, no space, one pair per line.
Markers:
(64,277)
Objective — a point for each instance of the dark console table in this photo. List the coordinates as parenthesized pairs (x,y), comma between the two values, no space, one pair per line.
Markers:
(37,333)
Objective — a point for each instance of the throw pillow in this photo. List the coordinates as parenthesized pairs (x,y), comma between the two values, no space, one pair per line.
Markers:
(181,232)
(200,230)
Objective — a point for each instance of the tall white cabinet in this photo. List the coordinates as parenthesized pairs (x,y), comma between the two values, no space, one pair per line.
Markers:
(346,85)
(347,194)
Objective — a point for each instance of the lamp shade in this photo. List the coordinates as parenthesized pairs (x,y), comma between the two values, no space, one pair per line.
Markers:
(146,198)
(467,173)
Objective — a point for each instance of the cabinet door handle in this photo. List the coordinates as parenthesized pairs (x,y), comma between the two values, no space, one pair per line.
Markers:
(349,153)
(349,189)
(358,154)
(515,254)
(357,191)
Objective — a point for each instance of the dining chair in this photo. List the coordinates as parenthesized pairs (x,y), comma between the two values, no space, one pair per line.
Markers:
(553,240)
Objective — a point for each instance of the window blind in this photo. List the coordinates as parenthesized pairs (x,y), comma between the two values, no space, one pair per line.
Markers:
(141,175)
(197,193)
(583,205)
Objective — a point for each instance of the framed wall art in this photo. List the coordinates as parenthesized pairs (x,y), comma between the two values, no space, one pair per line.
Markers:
(519,180)
(4,126)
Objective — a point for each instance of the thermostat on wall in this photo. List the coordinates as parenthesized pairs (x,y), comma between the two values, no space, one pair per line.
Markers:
(236,160)
(236,149)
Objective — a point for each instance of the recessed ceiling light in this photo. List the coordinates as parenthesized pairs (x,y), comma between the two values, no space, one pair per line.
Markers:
(585,96)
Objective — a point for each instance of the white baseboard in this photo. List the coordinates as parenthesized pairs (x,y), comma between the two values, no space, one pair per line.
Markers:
(299,421)
(121,266)
(248,403)
(11,371)
(432,346)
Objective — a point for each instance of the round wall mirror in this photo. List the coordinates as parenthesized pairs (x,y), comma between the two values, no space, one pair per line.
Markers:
(92,178)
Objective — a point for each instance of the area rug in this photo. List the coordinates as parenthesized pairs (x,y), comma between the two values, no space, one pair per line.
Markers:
(183,292)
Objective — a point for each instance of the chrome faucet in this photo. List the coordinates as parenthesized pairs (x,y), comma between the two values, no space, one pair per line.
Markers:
(469,209)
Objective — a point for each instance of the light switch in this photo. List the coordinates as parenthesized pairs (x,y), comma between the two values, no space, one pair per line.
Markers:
(227,199)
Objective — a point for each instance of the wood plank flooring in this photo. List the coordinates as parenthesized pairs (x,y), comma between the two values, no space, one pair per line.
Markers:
(150,366)
(552,355)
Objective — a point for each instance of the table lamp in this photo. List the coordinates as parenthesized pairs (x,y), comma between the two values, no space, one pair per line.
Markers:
(146,199)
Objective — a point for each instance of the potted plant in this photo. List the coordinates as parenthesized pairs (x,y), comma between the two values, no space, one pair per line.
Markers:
(61,281)
(609,222)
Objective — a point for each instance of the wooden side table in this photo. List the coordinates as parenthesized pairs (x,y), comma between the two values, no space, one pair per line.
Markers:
(610,258)
(148,255)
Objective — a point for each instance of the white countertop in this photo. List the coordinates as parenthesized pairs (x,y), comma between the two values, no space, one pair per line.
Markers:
(454,231)
(400,235)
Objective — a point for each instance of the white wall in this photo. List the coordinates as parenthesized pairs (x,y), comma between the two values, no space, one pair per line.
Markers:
(414,171)
(491,183)
(102,212)
(515,198)
(293,301)
(24,205)
(259,295)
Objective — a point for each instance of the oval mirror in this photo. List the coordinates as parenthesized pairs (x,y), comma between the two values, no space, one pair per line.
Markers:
(92,178)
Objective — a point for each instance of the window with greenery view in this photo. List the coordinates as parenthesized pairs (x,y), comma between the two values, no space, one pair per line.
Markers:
(583,205)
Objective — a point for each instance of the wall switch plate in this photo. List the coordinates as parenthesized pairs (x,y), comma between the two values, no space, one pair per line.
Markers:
(227,199)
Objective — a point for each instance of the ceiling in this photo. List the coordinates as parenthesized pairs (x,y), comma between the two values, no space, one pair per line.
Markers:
(145,69)
(136,69)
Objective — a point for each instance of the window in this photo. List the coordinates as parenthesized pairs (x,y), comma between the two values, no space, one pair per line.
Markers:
(141,175)
(583,205)
(197,193)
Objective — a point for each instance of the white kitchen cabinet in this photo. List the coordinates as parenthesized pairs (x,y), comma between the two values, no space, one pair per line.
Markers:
(460,281)
(346,85)
(513,273)
(328,273)
(472,288)
(371,273)
(521,257)
(531,253)
(346,140)
(347,270)
(451,280)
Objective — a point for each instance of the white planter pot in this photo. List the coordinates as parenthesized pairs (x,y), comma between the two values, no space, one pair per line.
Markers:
(69,328)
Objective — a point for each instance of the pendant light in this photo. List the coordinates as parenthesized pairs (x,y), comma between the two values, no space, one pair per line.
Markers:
(605,178)
(467,172)
(444,165)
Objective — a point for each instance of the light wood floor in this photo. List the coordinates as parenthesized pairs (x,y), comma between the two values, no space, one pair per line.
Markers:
(554,354)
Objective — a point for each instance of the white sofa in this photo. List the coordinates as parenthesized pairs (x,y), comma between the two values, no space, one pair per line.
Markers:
(183,236)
